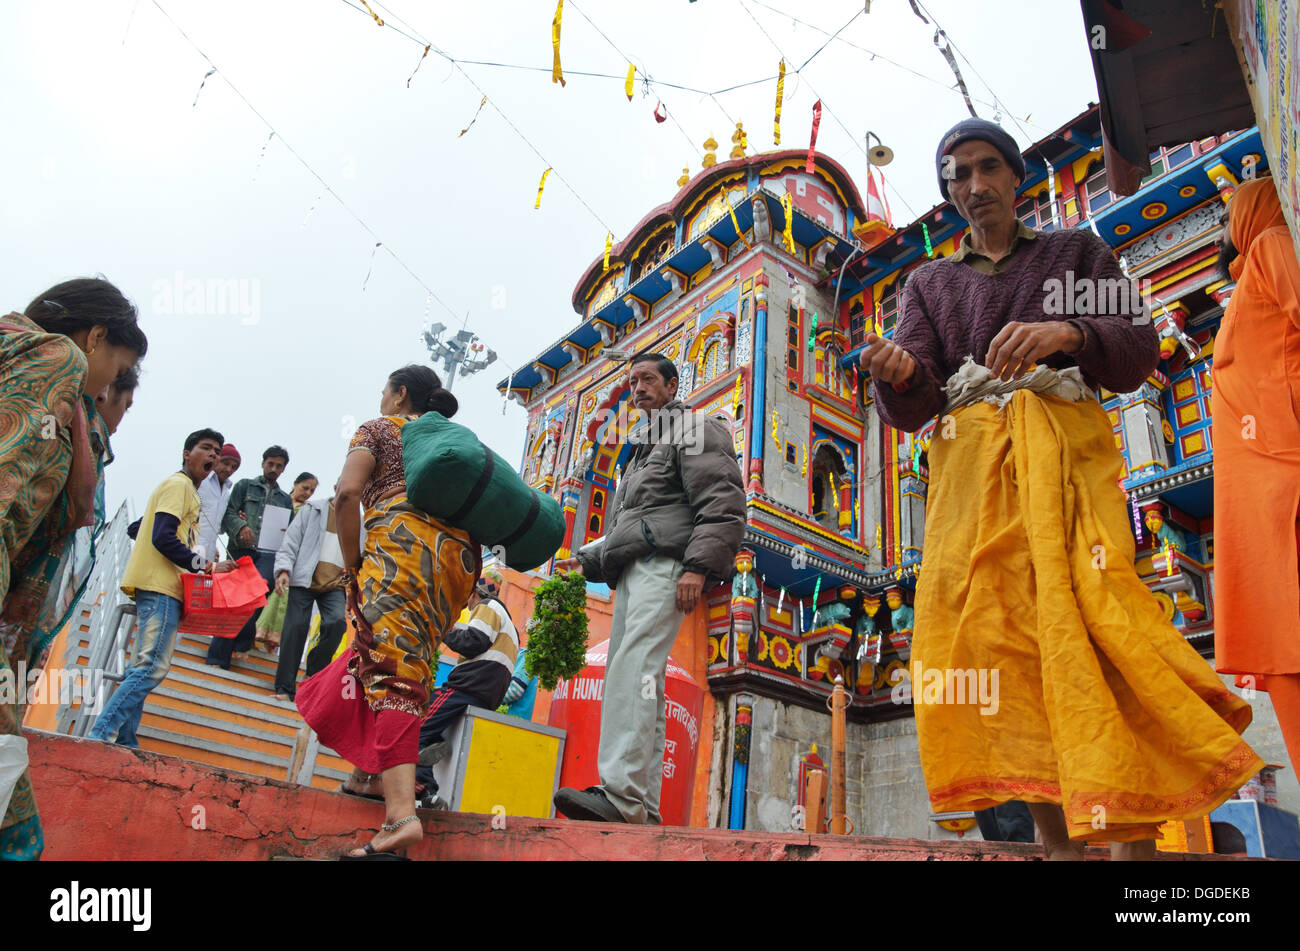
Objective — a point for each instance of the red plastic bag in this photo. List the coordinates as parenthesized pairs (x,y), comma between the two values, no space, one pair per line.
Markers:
(219,604)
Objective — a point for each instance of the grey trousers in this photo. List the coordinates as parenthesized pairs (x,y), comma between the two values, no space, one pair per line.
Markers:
(645,625)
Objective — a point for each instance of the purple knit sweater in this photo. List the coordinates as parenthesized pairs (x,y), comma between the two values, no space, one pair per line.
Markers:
(951,310)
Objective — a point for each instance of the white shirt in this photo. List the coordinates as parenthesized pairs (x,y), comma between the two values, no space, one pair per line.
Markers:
(213,497)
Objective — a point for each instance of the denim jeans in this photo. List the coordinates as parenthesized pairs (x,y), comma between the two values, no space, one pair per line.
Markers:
(157,618)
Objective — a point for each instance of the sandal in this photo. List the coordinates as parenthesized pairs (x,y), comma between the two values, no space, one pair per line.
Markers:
(343,788)
(370,853)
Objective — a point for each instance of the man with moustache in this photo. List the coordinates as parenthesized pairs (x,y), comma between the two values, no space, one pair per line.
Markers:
(1109,722)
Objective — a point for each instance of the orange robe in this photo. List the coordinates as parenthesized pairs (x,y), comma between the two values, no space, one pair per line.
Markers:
(1256,435)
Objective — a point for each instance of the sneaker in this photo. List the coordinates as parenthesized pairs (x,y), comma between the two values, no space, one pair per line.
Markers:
(430,801)
(589,805)
(434,753)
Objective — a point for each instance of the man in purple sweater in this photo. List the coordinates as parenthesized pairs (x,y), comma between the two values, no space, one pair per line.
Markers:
(1106,722)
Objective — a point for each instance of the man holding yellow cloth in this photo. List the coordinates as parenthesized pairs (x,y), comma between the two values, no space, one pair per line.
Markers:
(1107,722)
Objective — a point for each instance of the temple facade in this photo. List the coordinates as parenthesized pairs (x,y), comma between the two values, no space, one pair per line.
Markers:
(759,280)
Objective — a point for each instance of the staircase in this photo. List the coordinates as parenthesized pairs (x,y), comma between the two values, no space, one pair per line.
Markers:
(228,718)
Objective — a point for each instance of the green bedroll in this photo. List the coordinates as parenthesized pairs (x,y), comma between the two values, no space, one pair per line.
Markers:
(454,477)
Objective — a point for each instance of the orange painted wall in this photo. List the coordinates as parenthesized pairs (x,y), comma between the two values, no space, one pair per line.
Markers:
(691,651)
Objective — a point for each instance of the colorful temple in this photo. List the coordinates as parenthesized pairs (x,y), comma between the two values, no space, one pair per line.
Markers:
(759,279)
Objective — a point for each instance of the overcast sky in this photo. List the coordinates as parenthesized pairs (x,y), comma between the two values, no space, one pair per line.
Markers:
(110,166)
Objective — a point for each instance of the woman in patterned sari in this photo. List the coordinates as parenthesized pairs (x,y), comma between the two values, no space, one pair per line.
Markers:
(404,591)
(71,342)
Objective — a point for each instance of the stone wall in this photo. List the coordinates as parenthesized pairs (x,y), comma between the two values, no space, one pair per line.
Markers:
(884,789)
(1265,736)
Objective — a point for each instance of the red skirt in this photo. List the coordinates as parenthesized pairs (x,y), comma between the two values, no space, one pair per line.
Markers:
(333,703)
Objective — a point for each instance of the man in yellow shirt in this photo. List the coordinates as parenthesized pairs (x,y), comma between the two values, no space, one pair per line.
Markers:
(163,549)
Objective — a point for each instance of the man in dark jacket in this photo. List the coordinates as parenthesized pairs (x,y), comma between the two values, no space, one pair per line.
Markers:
(242,524)
(679,516)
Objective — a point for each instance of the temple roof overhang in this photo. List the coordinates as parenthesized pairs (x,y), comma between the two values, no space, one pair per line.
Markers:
(609,321)
(1166,74)
(750,167)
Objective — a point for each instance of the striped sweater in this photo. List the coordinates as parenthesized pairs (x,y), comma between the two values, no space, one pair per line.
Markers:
(488,645)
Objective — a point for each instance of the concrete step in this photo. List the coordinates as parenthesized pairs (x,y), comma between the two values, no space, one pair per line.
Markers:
(103,802)
(176,711)
(156,738)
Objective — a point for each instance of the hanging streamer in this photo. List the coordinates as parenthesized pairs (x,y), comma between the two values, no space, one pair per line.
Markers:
(371,267)
(557,74)
(736,394)
(952,64)
(609,246)
(812,333)
(417,65)
(658,117)
(540,185)
(787,208)
(780,94)
(929,248)
(803,468)
(378,21)
(201,85)
(879,546)
(482,103)
(307,216)
(631,78)
(780,600)
(775,438)
(812,141)
(262,154)
(734,223)
(1137,519)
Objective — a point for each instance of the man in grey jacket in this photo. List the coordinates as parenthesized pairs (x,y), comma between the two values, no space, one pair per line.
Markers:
(679,517)
(309,566)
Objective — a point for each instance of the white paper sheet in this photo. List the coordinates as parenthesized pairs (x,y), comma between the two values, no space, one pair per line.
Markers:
(275,520)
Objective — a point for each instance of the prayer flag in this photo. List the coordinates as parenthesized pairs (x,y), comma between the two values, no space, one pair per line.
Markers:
(780,94)
(540,185)
(787,208)
(627,86)
(557,74)
(812,141)
(734,223)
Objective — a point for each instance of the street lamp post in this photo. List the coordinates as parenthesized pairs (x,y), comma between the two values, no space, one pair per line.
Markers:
(462,352)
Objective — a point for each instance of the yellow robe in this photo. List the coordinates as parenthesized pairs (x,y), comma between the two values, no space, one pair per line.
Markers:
(1101,705)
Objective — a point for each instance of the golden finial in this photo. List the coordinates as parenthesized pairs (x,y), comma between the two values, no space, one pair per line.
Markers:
(710,150)
(739,141)
(686,177)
